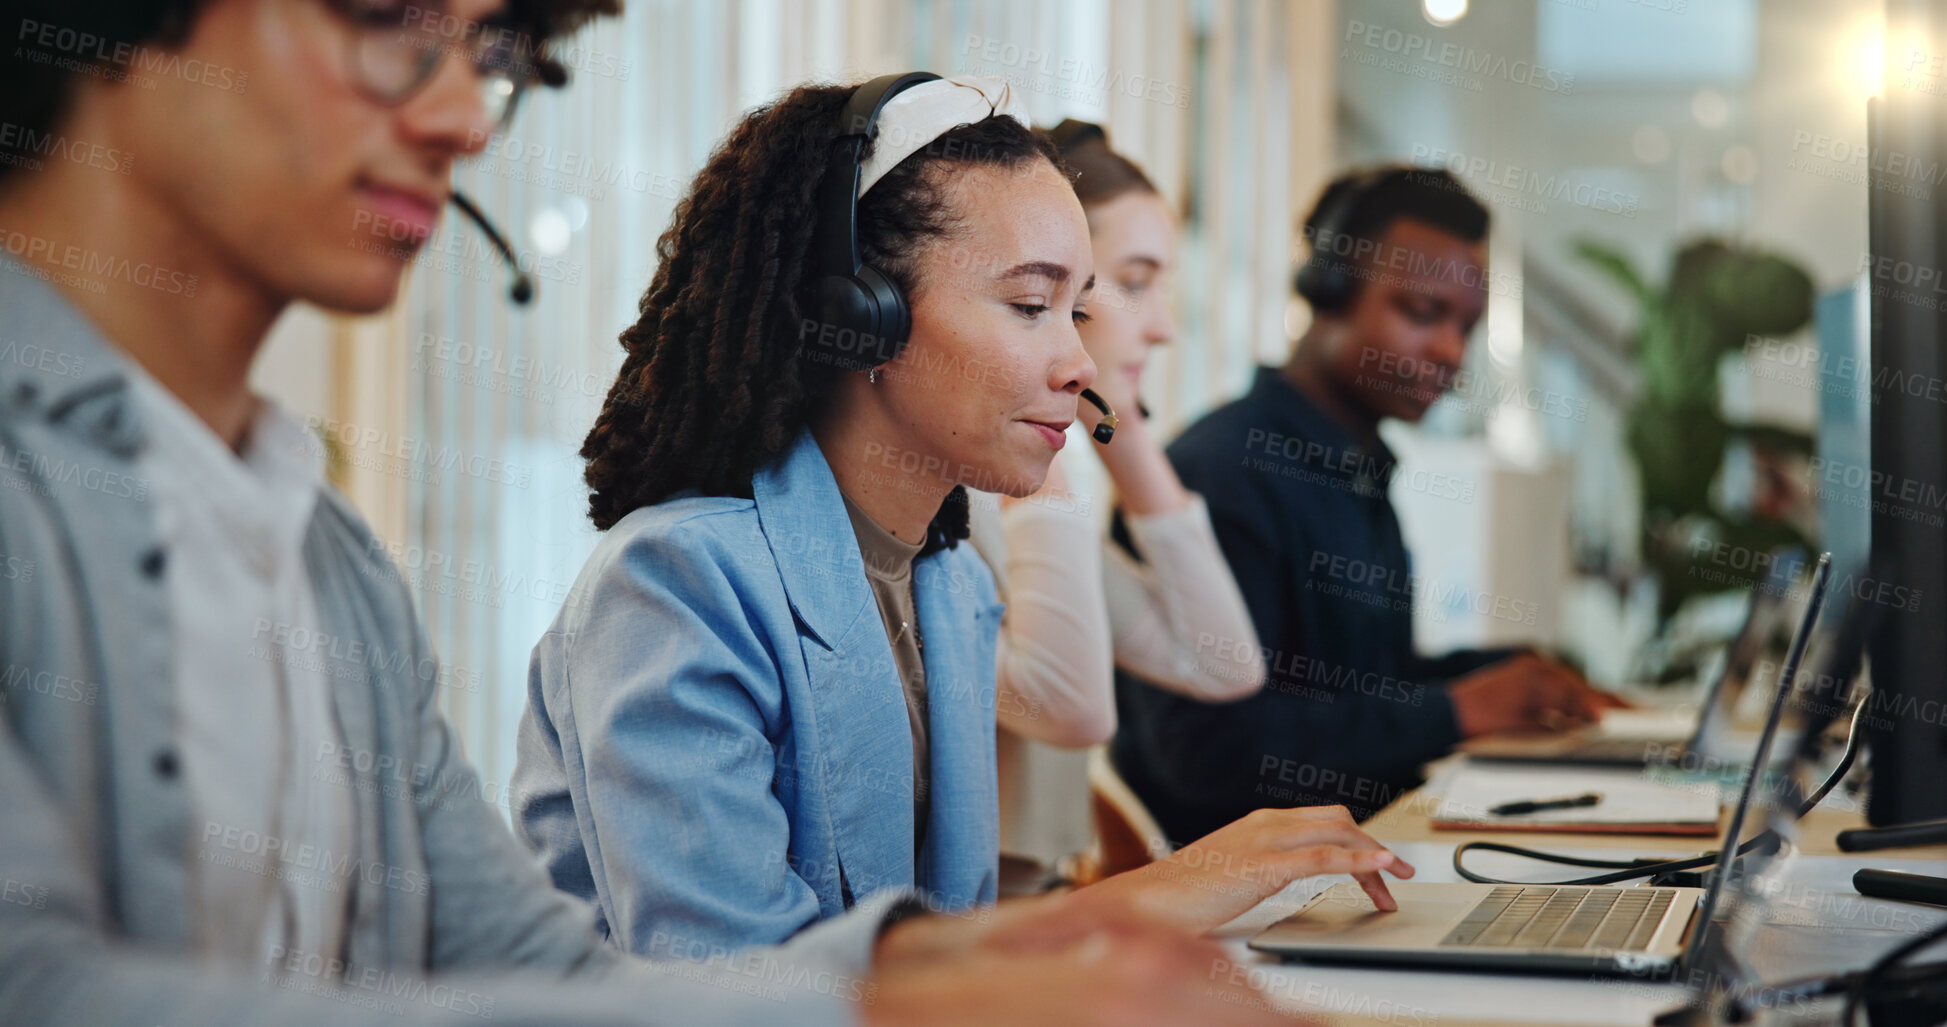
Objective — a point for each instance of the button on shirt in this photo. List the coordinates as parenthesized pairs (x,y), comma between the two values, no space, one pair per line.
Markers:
(272,830)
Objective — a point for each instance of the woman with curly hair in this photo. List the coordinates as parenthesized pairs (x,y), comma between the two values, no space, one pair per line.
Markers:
(775,696)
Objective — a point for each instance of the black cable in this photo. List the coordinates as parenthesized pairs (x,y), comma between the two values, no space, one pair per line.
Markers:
(1900,982)
(1845,761)
(1883,966)
(1629,870)
(1885,975)
(1625,870)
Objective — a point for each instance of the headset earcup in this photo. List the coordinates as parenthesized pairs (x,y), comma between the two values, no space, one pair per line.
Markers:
(860,315)
(892,320)
(831,338)
(860,322)
(1322,285)
(1305,284)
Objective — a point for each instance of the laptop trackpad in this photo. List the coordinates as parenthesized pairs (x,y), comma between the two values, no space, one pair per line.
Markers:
(1344,914)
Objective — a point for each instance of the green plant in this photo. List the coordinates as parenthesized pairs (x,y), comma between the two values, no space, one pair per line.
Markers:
(1717,297)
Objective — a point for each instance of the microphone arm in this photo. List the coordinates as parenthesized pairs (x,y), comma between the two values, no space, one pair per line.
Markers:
(521,289)
(1105,428)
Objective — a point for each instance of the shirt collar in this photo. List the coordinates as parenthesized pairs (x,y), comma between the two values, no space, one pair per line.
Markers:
(268,491)
(887,558)
(55,365)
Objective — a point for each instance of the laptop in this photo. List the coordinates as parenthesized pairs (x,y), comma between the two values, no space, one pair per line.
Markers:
(1603,745)
(1645,931)
(1758,890)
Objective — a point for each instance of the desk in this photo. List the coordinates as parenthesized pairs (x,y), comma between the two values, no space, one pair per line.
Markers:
(1407,819)
(1816,924)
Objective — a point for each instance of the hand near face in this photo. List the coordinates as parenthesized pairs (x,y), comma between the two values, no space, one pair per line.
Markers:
(1528,692)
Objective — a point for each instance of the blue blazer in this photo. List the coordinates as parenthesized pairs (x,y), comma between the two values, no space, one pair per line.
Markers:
(716,748)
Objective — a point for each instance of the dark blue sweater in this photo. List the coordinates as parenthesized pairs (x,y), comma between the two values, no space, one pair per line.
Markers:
(1348,712)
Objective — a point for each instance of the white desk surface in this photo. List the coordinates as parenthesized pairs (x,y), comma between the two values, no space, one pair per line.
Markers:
(1816,924)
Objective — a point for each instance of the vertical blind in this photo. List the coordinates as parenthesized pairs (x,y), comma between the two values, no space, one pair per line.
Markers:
(479,495)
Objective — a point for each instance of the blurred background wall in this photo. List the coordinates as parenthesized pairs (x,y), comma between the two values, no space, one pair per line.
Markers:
(1603,134)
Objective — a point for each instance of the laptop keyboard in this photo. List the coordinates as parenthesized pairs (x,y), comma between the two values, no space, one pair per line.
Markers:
(1622,919)
(1617,749)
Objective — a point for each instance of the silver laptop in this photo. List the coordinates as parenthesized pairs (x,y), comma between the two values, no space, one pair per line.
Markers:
(1613,929)
(1764,620)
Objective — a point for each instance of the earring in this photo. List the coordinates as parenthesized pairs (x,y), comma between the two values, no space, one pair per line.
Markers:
(872,376)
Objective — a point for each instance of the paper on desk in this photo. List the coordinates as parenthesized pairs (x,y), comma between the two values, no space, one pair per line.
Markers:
(1629,803)
(1675,723)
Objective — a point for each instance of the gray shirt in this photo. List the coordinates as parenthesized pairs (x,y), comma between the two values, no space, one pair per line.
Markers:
(449,916)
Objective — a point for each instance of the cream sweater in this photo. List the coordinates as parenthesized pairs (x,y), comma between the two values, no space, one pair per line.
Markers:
(1079,606)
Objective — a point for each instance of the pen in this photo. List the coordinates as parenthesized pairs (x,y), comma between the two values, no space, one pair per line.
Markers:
(1508,809)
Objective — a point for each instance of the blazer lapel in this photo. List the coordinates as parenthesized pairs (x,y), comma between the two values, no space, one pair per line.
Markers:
(138,682)
(857,739)
(960,860)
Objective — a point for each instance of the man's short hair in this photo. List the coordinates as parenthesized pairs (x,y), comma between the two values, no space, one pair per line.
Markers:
(35,89)
(1359,206)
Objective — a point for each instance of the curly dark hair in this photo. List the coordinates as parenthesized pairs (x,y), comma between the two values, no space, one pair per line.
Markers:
(34,94)
(712,388)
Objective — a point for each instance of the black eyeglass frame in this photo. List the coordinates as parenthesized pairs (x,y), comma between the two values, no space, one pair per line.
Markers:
(399,47)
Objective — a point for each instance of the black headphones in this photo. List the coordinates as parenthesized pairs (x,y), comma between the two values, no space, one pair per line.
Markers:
(1072,133)
(856,317)
(1326,280)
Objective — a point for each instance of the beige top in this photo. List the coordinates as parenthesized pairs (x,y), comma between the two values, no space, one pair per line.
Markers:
(1078,606)
(889,569)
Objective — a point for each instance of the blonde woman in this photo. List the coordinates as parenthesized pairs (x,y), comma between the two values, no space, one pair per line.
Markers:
(1077,608)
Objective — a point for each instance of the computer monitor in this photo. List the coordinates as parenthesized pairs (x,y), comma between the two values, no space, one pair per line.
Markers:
(1907,235)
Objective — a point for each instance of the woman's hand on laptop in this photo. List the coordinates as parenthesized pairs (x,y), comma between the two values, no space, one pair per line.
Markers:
(1211,881)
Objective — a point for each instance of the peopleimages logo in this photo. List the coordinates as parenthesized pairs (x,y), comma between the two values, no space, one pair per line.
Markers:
(87,53)
(1072,71)
(96,265)
(1521,183)
(27,145)
(416,454)
(1421,56)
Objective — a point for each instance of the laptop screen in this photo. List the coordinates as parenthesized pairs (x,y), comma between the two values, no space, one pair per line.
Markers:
(1734,708)
(1826,690)
(1745,827)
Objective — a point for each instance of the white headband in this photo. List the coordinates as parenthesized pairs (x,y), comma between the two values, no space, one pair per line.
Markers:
(930,110)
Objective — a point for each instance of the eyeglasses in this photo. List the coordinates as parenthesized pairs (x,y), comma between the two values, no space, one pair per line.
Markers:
(399,45)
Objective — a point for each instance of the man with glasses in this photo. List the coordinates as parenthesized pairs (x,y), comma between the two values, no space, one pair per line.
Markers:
(400,46)
(226,794)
